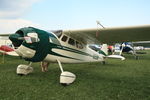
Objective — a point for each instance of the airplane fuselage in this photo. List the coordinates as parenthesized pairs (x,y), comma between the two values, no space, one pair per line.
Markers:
(51,48)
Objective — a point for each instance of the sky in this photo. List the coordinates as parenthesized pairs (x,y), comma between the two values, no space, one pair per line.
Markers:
(72,14)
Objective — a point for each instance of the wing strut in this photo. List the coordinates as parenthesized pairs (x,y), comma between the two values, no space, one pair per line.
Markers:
(60,66)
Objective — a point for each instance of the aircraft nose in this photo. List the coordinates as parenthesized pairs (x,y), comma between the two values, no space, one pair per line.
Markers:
(16,39)
(30,39)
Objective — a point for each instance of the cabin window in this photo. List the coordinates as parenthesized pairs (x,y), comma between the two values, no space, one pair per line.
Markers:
(64,38)
(79,45)
(71,41)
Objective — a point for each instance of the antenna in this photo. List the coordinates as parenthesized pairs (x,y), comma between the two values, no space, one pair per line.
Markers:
(98,23)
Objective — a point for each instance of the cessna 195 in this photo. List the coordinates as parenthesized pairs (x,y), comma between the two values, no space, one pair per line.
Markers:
(70,46)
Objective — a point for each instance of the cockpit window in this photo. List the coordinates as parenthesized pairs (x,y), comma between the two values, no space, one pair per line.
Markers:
(71,41)
(58,33)
(54,40)
(64,38)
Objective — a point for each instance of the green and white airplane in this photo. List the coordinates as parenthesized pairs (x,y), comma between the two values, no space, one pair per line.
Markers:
(71,46)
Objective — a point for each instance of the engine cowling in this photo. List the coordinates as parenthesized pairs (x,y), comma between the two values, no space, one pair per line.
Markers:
(32,39)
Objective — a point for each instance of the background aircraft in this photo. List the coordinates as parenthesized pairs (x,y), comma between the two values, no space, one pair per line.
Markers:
(5,49)
(6,46)
(99,48)
(129,48)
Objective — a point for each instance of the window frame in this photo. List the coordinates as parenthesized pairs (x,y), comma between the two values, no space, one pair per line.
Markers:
(71,42)
(64,38)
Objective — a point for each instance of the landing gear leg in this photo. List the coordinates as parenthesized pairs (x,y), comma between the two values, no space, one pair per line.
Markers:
(103,62)
(60,66)
(137,57)
(135,54)
(66,78)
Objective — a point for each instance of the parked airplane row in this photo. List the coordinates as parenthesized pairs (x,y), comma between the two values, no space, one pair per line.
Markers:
(70,46)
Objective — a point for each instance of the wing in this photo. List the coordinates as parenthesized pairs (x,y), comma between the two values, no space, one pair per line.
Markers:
(142,43)
(111,35)
(4,34)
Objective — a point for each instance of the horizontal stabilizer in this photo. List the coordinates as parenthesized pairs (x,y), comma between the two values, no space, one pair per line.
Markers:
(141,52)
(116,56)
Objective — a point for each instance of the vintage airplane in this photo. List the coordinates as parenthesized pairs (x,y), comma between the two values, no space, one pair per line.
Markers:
(6,46)
(70,46)
(125,47)
(129,48)
(100,48)
(7,50)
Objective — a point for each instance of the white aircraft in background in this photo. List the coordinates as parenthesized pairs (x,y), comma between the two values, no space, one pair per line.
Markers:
(70,46)
(6,46)
(141,45)
(100,48)
(129,48)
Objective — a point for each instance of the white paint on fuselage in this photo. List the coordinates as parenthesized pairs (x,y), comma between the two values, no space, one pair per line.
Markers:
(78,58)
(74,57)
(25,52)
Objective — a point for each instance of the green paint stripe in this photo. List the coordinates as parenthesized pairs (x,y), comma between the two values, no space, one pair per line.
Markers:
(102,52)
(73,50)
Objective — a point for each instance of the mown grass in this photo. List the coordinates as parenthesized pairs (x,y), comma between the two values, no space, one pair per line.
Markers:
(117,80)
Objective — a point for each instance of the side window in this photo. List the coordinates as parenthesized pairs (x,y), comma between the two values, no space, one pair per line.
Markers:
(79,45)
(64,38)
(71,42)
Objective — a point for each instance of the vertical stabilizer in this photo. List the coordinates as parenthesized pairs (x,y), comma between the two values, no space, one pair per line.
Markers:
(105,48)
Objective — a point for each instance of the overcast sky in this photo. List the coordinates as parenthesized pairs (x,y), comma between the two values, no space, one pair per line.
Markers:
(72,14)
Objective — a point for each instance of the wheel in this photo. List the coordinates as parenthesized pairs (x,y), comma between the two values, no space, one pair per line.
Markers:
(64,84)
(20,74)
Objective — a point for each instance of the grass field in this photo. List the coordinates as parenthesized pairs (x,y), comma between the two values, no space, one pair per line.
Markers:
(117,80)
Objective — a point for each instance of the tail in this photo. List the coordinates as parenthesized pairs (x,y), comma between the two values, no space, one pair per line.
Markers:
(105,49)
